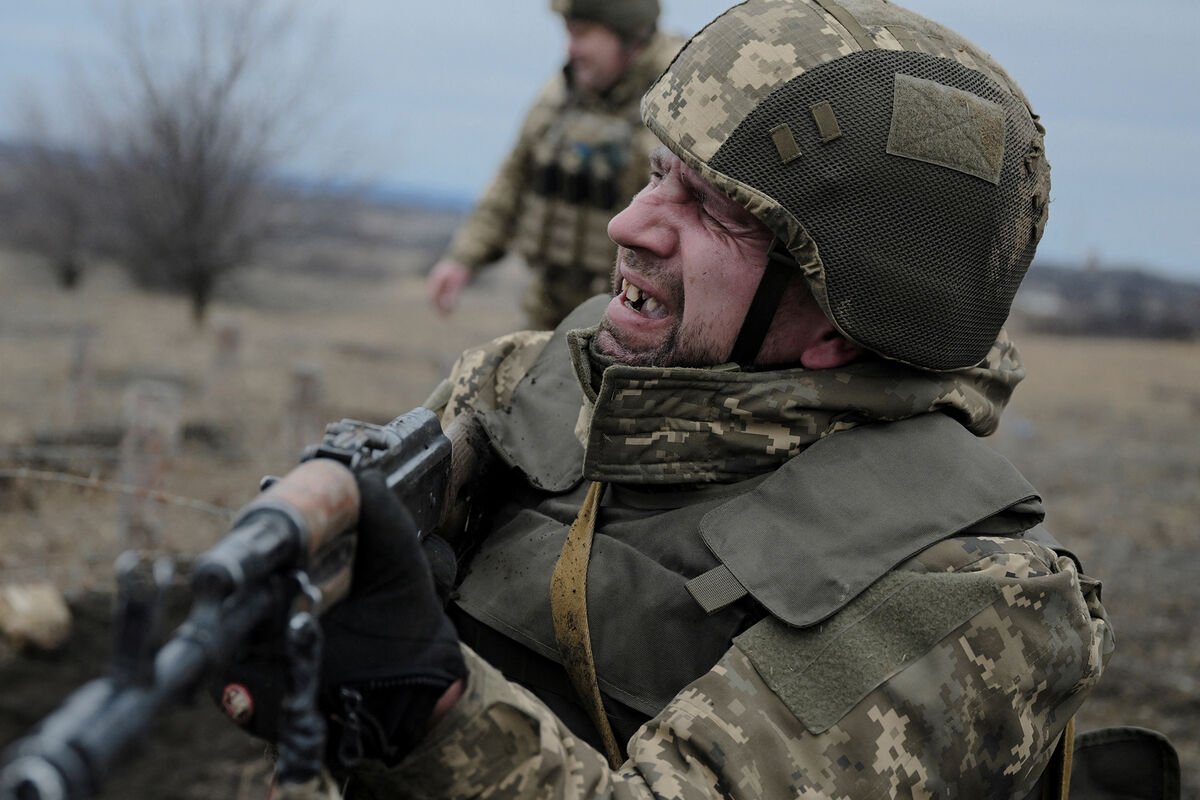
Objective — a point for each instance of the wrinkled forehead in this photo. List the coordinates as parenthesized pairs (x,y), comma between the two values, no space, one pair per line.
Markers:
(663,160)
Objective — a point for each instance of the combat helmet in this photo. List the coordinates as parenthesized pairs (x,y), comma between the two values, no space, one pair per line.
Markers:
(632,20)
(900,168)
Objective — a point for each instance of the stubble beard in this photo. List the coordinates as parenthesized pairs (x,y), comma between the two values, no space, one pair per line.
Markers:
(680,348)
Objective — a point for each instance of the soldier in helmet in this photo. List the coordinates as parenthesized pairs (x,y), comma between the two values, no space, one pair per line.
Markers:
(745,540)
(581,155)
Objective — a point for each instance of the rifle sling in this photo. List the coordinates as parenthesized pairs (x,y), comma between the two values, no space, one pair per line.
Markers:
(568,606)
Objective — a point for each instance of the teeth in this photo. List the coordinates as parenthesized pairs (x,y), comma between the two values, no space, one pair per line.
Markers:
(638,300)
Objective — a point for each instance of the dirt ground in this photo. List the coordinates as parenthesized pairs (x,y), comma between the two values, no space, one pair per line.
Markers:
(1107,429)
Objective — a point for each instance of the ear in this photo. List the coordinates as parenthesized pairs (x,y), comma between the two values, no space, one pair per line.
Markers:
(829,351)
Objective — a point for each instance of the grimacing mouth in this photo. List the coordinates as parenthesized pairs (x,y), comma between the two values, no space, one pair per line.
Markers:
(639,300)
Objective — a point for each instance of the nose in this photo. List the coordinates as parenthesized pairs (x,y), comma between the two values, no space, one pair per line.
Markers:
(643,226)
(573,47)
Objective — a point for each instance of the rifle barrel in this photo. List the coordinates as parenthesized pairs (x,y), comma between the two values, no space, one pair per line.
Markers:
(74,748)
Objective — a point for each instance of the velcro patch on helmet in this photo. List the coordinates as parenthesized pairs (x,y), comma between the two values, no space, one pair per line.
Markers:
(952,128)
(785,142)
(826,120)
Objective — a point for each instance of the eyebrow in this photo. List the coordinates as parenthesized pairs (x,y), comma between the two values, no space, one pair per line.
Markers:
(658,155)
(694,182)
(699,186)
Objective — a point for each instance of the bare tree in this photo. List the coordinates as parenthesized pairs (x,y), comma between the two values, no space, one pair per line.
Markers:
(54,185)
(205,110)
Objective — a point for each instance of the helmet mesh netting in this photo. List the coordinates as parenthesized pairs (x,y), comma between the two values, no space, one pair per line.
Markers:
(921,261)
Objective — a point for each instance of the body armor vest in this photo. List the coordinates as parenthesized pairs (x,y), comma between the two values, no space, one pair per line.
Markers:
(782,540)
(584,168)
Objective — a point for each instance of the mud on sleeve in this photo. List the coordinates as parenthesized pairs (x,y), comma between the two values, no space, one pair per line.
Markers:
(485,377)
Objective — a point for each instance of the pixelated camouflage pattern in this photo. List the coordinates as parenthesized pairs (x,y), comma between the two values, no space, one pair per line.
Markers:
(734,63)
(663,424)
(686,425)
(727,69)
(485,377)
(978,715)
(565,243)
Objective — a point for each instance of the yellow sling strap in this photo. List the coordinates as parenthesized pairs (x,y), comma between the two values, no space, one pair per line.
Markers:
(568,606)
(1067,753)
(1055,783)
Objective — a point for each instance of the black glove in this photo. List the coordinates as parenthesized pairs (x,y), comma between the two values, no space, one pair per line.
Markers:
(390,651)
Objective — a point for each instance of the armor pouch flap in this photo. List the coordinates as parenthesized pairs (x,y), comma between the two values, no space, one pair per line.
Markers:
(549,397)
(833,520)
(822,672)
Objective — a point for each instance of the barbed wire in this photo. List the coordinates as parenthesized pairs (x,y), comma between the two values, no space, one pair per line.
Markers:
(91,482)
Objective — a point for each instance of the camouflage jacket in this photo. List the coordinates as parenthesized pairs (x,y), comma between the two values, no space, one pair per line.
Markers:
(952,675)
(578,159)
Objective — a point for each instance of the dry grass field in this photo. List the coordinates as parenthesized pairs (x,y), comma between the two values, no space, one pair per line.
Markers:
(1107,429)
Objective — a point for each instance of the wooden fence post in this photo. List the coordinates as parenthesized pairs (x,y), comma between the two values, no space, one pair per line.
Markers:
(228,352)
(81,378)
(152,433)
(305,421)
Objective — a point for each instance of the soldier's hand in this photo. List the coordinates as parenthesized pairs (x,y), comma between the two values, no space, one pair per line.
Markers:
(445,284)
(390,652)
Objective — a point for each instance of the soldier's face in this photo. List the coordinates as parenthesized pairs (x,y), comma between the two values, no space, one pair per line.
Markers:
(688,264)
(597,55)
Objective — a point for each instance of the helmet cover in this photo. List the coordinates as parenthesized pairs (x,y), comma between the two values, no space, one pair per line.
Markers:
(901,166)
(630,19)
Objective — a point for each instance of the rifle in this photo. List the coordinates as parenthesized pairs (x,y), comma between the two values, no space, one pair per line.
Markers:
(290,551)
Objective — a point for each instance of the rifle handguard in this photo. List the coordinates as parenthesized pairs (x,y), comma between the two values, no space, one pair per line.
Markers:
(296,525)
(297,521)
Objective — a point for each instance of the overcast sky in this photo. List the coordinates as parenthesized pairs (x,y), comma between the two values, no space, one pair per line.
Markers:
(429,95)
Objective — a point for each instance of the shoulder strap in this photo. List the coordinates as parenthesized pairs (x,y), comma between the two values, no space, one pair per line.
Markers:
(537,435)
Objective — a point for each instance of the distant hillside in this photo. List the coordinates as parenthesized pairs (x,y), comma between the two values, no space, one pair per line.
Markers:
(1108,302)
(312,225)
(358,231)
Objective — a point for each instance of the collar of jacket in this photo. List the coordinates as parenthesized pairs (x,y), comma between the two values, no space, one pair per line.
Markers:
(722,424)
(644,425)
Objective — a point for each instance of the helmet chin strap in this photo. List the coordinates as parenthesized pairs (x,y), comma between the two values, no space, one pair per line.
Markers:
(780,269)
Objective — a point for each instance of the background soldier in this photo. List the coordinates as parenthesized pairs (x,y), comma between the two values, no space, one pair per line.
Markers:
(747,541)
(580,156)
